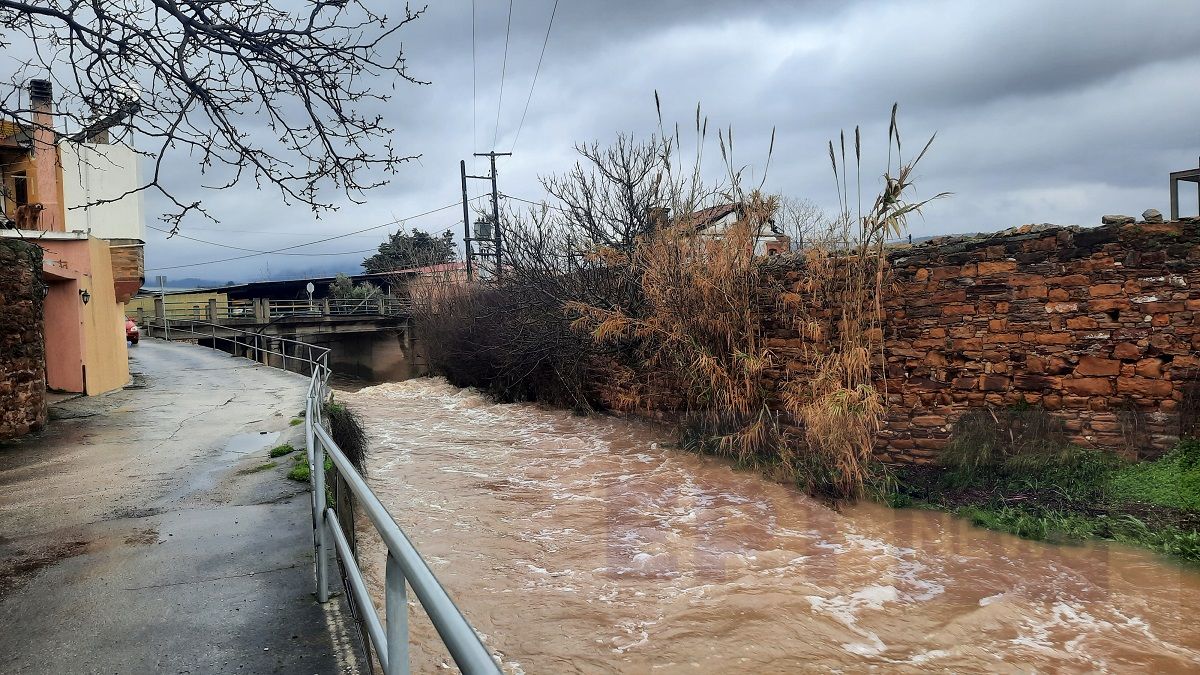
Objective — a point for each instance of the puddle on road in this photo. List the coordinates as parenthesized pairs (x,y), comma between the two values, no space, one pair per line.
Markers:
(245,444)
(214,468)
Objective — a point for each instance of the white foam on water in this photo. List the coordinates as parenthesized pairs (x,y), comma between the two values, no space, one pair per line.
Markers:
(984,602)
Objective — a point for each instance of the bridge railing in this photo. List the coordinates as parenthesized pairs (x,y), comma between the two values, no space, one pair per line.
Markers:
(404,567)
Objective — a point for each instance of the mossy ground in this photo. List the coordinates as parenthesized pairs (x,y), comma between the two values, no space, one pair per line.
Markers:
(301,471)
(1069,496)
(256,469)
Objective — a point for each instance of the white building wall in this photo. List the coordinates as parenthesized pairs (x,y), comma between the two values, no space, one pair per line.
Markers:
(95,171)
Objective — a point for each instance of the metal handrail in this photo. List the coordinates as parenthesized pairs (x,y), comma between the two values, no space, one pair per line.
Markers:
(404,563)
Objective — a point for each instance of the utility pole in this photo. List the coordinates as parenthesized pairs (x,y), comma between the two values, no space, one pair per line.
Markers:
(499,234)
(462,168)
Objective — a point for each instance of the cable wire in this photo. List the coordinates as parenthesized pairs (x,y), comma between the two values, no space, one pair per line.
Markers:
(503,70)
(474,86)
(536,71)
(239,248)
(310,243)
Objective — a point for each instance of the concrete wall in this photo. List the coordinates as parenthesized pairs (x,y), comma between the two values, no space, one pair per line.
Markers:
(85,343)
(106,355)
(64,336)
(22,350)
(92,172)
(380,356)
(180,304)
(1101,327)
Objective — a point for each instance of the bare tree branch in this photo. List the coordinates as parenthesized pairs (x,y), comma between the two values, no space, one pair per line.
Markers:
(276,91)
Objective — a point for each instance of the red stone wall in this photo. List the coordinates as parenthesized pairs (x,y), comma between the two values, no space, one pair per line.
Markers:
(128,267)
(22,346)
(1100,326)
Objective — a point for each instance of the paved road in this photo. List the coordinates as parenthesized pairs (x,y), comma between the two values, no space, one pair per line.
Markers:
(135,536)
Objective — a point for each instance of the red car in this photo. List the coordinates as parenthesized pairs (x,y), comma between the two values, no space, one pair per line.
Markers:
(131,331)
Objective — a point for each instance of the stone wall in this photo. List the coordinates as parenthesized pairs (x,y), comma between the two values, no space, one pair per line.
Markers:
(1099,326)
(128,264)
(22,347)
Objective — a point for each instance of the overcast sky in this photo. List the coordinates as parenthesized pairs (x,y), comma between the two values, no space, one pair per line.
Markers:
(1044,111)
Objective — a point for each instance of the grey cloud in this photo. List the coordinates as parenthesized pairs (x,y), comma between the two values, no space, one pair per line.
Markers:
(1044,111)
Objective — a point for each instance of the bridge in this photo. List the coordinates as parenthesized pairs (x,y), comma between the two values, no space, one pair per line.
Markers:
(368,339)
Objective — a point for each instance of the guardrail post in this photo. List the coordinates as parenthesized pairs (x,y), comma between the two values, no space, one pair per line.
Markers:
(396,606)
(262,310)
(318,486)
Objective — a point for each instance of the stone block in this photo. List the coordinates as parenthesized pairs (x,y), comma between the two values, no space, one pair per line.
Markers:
(997,267)
(1144,387)
(1151,367)
(1107,304)
(1096,366)
(1054,338)
(1082,323)
(993,383)
(1088,386)
(1104,290)
(1127,350)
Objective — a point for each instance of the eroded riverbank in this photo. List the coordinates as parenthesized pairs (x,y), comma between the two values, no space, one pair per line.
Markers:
(583,545)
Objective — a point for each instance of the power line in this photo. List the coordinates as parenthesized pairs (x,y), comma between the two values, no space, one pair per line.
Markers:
(537,70)
(474,86)
(503,70)
(530,201)
(238,248)
(310,243)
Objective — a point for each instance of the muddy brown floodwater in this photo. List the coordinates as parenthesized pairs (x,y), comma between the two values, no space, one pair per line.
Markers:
(583,545)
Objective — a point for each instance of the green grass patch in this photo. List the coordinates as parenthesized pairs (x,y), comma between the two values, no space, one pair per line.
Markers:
(1006,471)
(296,421)
(281,450)
(256,469)
(1051,525)
(301,472)
(1172,481)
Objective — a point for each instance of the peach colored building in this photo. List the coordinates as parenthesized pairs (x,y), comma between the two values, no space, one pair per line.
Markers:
(84,310)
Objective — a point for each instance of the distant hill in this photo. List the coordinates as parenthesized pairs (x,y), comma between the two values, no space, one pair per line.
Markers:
(190,282)
(184,283)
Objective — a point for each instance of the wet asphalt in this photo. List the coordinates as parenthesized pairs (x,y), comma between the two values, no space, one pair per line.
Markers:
(143,532)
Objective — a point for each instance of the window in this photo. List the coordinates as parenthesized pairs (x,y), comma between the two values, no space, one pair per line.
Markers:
(20,189)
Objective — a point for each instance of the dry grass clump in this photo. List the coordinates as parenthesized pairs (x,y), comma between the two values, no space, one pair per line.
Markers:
(698,328)
(839,318)
(620,289)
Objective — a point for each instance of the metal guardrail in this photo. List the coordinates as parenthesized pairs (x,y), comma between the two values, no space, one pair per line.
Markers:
(274,309)
(405,566)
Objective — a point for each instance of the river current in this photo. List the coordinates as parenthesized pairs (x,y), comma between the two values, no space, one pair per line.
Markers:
(585,545)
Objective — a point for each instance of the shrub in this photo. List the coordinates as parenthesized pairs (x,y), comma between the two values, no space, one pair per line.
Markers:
(281,450)
(347,430)
(1012,438)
